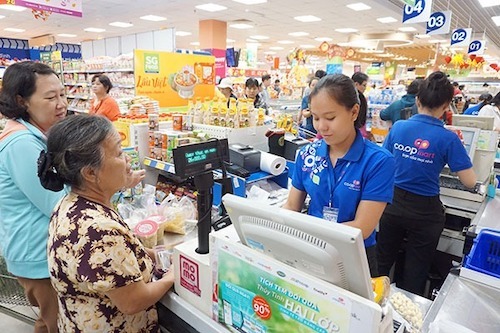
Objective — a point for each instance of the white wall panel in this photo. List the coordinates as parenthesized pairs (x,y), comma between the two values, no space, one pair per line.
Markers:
(164,40)
(87,50)
(99,48)
(113,46)
(128,44)
(145,41)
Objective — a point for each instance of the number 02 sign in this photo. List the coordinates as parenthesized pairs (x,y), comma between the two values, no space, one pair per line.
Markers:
(461,37)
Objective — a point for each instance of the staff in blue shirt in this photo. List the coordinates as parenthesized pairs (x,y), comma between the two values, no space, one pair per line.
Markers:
(349,179)
(484,99)
(421,147)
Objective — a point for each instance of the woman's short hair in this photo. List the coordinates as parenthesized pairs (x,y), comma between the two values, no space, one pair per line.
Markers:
(340,88)
(359,77)
(20,79)
(414,87)
(73,144)
(251,82)
(435,91)
(105,81)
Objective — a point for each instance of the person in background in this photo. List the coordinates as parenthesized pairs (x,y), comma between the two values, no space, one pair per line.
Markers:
(266,83)
(252,91)
(393,111)
(304,118)
(319,74)
(360,82)
(421,147)
(103,104)
(492,110)
(277,87)
(101,272)
(33,99)
(349,179)
(456,90)
(484,99)
(226,88)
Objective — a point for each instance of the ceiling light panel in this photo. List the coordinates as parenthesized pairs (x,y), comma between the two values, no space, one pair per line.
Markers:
(241,26)
(323,39)
(153,18)
(489,3)
(407,29)
(250,2)
(298,34)
(211,7)
(1,16)
(94,29)
(14,30)
(230,40)
(388,19)
(195,43)
(259,37)
(422,36)
(307,18)
(276,48)
(358,6)
(121,24)
(182,33)
(308,46)
(496,19)
(346,30)
(66,35)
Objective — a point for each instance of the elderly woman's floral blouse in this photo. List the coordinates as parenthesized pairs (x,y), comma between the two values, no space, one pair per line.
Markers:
(92,251)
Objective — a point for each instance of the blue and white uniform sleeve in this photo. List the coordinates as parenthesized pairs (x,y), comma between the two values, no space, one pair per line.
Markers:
(379,180)
(21,160)
(388,144)
(297,175)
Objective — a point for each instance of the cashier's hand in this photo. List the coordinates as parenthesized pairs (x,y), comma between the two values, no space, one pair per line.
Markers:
(135,177)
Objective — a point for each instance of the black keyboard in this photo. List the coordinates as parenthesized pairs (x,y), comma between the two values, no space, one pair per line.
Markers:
(455,184)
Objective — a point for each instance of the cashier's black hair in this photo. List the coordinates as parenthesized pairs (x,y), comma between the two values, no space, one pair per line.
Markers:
(341,88)
(105,81)
(19,80)
(435,91)
(73,144)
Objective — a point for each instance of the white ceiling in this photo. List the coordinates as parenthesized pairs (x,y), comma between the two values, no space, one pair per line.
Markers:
(274,19)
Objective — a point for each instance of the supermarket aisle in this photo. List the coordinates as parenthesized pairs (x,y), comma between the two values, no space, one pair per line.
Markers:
(11,325)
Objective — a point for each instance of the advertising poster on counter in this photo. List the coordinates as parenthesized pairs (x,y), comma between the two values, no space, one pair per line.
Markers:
(173,78)
(256,294)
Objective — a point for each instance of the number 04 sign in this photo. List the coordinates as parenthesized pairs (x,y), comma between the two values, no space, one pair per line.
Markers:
(420,12)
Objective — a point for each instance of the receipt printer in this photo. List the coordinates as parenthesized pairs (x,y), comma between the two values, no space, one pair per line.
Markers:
(291,147)
(245,156)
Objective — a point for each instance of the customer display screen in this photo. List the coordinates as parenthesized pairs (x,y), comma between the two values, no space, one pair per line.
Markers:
(194,159)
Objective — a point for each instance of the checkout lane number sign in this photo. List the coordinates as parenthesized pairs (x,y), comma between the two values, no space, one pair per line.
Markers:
(461,37)
(439,23)
(420,12)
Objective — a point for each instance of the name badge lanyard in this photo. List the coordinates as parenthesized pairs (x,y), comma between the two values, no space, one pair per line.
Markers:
(332,190)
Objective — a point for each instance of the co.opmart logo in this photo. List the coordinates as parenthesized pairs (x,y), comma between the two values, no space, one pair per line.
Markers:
(421,144)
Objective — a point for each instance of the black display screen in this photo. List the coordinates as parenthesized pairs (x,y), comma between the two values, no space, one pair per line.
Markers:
(197,158)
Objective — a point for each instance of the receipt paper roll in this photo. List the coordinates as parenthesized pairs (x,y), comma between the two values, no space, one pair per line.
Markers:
(273,164)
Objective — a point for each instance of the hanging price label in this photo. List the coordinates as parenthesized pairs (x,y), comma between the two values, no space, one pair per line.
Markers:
(439,23)
(421,12)
(476,47)
(461,37)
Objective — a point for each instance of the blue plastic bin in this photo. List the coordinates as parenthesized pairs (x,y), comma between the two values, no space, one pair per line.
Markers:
(485,254)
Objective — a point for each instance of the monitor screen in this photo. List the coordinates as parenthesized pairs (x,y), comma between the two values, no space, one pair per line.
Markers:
(330,251)
(481,122)
(469,137)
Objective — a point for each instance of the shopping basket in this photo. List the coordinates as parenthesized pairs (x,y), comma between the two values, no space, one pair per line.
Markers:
(485,254)
(12,293)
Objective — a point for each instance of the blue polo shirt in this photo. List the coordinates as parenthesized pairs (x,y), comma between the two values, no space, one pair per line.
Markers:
(366,172)
(422,146)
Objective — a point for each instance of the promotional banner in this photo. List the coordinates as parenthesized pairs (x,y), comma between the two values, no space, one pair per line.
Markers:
(461,37)
(477,47)
(420,12)
(220,63)
(173,78)
(65,7)
(439,23)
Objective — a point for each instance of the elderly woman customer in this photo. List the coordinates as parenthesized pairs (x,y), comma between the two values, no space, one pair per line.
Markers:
(101,272)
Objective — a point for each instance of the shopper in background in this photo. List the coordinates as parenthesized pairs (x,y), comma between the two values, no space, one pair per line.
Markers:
(360,82)
(304,118)
(277,87)
(252,91)
(266,83)
(484,99)
(226,88)
(101,272)
(493,110)
(319,74)
(33,99)
(103,104)
(349,179)
(421,147)
(393,111)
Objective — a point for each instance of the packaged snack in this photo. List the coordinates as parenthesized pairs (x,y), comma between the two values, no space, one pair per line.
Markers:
(146,231)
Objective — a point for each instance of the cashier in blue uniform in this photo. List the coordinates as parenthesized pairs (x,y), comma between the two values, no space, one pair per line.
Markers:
(421,147)
(349,179)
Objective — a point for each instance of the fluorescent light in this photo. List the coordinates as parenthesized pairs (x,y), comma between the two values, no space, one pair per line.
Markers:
(489,3)
(307,18)
(153,18)
(276,48)
(435,41)
(388,19)
(344,44)
(259,37)
(183,33)
(194,43)
(307,46)
(298,34)
(496,19)
(250,2)
(94,30)
(13,8)
(285,42)
(241,26)
(323,39)
(14,30)
(422,36)
(249,40)
(407,29)
(121,24)
(270,52)
(346,30)
(211,7)
(66,35)
(229,40)
(358,6)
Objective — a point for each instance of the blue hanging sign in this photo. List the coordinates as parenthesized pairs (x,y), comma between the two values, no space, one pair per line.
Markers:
(421,12)
(461,37)
(439,23)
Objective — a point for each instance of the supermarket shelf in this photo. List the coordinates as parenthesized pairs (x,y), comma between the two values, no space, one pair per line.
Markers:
(96,71)
(77,110)
(127,86)
(78,96)
(160,165)
(81,84)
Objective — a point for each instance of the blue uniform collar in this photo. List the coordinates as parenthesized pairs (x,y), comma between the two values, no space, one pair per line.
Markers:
(424,118)
(353,154)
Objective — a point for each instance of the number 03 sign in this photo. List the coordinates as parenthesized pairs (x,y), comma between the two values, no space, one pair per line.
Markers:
(439,23)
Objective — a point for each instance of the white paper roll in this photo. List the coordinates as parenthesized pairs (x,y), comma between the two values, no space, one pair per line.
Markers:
(273,164)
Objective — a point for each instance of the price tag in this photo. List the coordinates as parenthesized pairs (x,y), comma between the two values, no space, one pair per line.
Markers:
(476,47)
(439,23)
(461,37)
(421,12)
(160,165)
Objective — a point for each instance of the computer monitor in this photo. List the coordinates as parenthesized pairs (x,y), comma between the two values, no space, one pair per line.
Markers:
(481,122)
(469,137)
(330,251)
